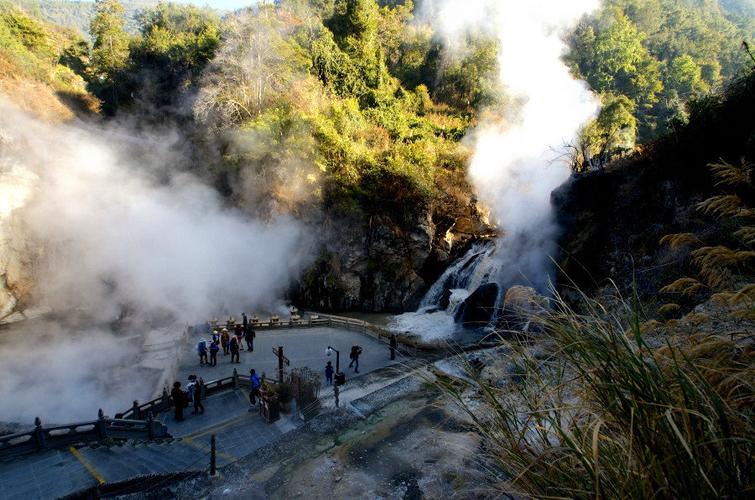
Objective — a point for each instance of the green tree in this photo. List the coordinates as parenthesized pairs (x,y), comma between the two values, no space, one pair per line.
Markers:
(355,29)
(612,133)
(257,65)
(621,64)
(176,43)
(110,51)
(685,77)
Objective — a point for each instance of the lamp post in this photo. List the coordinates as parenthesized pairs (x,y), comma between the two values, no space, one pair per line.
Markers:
(339,378)
(329,351)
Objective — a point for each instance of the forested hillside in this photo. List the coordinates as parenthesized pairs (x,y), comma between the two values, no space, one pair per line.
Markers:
(650,60)
(39,65)
(77,14)
(351,113)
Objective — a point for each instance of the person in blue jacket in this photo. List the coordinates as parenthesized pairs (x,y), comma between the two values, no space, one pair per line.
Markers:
(255,383)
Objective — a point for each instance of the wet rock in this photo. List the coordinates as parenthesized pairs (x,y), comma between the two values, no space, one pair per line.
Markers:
(385,262)
(445,299)
(479,309)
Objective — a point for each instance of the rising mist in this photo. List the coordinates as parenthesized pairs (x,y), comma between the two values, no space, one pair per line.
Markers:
(121,233)
(518,155)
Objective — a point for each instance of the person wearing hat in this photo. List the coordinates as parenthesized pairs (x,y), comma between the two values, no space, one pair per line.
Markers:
(225,340)
(214,348)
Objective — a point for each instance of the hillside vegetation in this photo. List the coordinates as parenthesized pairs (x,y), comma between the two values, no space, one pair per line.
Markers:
(77,14)
(36,60)
(351,113)
(652,61)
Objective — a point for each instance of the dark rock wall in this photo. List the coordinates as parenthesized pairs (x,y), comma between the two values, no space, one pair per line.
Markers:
(613,220)
(378,264)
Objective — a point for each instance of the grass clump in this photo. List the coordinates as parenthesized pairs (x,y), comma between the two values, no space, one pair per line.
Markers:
(613,411)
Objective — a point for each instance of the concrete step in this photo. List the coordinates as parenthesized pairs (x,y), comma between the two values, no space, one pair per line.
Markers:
(118,463)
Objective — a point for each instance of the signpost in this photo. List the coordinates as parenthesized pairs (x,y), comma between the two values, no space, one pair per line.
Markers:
(281,361)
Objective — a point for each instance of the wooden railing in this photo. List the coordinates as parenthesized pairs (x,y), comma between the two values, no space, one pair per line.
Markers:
(165,402)
(404,340)
(42,438)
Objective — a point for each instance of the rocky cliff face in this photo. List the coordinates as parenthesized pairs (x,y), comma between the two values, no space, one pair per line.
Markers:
(17,268)
(376,264)
(613,220)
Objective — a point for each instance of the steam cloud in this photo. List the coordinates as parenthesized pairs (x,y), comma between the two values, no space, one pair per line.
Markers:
(516,163)
(121,228)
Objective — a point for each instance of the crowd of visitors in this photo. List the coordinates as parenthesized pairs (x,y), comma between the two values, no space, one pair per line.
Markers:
(232,338)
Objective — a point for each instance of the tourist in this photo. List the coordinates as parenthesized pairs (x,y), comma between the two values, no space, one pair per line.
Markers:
(178,401)
(249,336)
(234,350)
(394,344)
(244,322)
(225,341)
(254,383)
(239,334)
(215,336)
(196,394)
(214,348)
(356,351)
(202,351)
(329,373)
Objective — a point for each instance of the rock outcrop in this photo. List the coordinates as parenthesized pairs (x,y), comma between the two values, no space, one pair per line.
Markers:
(17,268)
(480,308)
(613,220)
(381,264)
(520,305)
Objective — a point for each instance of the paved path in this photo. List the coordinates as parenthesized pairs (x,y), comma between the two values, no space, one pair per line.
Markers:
(58,473)
(303,347)
(238,431)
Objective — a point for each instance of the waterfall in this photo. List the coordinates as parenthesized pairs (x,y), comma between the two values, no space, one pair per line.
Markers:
(436,316)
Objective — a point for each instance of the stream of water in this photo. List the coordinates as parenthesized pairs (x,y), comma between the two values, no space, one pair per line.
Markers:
(437,316)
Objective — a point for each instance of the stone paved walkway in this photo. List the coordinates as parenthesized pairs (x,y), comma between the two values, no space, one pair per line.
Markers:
(238,431)
(58,473)
(304,347)
(43,475)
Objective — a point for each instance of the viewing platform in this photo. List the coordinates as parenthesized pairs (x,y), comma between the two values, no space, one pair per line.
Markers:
(144,440)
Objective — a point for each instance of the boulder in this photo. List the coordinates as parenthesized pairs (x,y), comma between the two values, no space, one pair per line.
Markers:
(480,308)
(445,299)
(520,305)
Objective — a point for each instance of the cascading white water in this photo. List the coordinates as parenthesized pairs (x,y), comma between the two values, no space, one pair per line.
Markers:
(518,155)
(432,320)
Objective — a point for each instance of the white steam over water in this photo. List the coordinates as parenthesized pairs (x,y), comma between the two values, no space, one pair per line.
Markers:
(518,159)
(120,227)
(518,155)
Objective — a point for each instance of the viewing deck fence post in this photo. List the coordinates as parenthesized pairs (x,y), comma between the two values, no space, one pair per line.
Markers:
(150,426)
(235,379)
(100,425)
(39,434)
